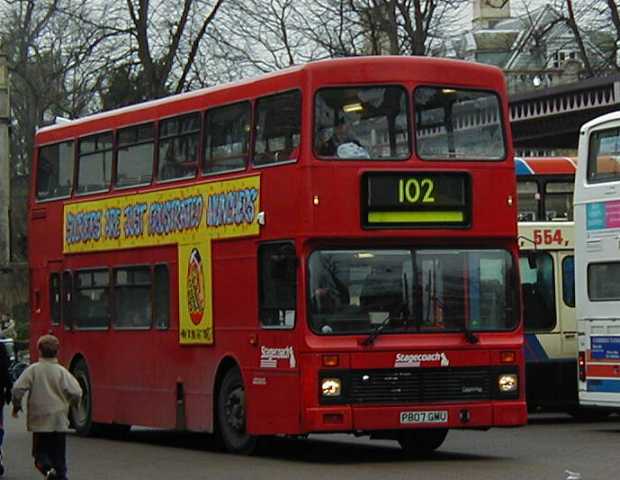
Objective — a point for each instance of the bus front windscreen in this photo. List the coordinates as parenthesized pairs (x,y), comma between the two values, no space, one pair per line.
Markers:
(408,291)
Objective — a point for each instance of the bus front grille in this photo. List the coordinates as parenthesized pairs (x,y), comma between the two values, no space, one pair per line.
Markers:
(420,385)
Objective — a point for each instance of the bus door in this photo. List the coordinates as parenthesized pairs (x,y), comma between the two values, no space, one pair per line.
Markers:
(566,303)
(54,292)
(274,382)
(543,342)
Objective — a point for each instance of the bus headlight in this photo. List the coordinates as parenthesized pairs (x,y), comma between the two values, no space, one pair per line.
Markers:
(507,382)
(331,387)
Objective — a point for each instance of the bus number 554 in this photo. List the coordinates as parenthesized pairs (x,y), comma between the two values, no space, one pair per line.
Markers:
(548,236)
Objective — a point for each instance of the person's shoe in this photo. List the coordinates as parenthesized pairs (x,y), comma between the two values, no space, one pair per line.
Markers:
(51,474)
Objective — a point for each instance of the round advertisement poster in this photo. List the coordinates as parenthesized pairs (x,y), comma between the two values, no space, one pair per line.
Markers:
(195,287)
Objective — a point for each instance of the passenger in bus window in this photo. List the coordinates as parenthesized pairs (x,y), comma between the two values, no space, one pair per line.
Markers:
(342,143)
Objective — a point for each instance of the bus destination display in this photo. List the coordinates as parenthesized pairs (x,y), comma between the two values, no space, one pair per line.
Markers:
(415,199)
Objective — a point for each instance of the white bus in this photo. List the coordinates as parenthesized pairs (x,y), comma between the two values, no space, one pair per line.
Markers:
(597,261)
(545,200)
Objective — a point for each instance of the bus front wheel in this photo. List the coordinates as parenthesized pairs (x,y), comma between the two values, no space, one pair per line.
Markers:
(231,414)
(80,415)
(421,442)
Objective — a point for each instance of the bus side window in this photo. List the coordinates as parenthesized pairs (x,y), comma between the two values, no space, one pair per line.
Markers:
(568,281)
(132,297)
(178,147)
(55,171)
(95,163)
(161,297)
(277,128)
(92,299)
(54,298)
(277,270)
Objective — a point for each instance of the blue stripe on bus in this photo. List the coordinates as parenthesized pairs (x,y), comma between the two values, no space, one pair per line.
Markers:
(522,168)
(534,351)
(603,385)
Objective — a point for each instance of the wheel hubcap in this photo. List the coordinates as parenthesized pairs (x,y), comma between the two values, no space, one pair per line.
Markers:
(235,409)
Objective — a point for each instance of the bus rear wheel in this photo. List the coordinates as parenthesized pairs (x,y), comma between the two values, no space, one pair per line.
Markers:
(232,415)
(80,415)
(421,442)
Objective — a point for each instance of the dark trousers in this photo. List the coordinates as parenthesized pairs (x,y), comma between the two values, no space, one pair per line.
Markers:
(49,451)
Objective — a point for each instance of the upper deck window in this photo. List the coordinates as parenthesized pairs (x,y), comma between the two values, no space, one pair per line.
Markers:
(228,138)
(559,201)
(527,201)
(178,147)
(278,127)
(55,171)
(604,158)
(136,146)
(362,123)
(456,124)
(95,163)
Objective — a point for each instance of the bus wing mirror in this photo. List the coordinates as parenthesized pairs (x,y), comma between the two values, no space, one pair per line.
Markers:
(531,260)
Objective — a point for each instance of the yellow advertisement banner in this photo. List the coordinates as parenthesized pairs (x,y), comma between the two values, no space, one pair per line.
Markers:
(223,209)
(195,306)
(189,217)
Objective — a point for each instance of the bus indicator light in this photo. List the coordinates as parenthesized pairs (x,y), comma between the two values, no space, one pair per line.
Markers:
(330,360)
(507,357)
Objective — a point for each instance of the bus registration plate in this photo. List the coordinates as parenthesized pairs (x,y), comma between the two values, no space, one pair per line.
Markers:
(430,416)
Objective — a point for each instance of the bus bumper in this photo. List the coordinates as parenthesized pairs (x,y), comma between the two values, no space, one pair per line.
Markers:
(347,418)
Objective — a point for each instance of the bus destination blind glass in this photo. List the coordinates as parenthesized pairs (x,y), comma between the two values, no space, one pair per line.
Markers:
(415,200)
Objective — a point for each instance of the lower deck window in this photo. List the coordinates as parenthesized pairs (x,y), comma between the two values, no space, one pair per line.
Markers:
(132,297)
(92,299)
(604,281)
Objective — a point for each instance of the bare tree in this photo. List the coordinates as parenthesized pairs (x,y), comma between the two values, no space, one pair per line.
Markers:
(167,39)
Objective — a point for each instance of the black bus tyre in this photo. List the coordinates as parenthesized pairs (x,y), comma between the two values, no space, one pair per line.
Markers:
(80,415)
(421,442)
(232,415)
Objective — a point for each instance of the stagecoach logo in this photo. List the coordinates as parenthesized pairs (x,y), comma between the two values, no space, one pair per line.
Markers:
(417,359)
(269,356)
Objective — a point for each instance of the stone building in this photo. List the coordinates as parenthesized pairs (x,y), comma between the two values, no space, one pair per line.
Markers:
(535,50)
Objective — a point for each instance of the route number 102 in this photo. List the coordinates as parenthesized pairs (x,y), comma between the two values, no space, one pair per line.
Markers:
(413,190)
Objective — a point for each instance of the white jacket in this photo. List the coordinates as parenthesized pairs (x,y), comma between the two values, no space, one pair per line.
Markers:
(52,389)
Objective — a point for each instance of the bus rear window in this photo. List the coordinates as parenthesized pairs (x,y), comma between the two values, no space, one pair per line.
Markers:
(455,124)
(604,159)
(55,171)
(362,123)
(604,281)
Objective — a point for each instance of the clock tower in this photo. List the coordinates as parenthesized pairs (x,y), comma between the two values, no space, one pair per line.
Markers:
(488,12)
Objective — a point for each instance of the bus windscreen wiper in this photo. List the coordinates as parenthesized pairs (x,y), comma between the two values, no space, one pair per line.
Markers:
(370,339)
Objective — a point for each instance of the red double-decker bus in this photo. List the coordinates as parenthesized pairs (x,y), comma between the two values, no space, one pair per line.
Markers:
(330,248)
